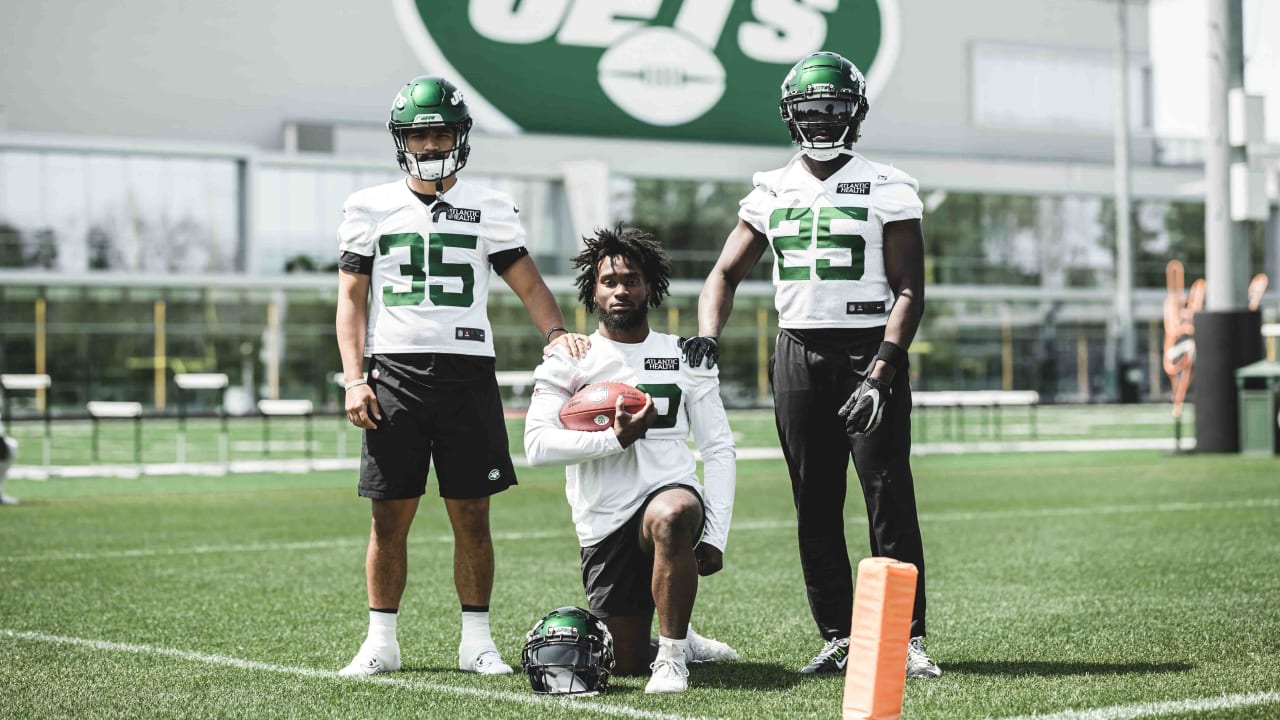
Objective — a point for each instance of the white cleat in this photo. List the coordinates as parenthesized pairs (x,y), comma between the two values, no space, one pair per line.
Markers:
(706,650)
(918,663)
(372,661)
(670,674)
(485,661)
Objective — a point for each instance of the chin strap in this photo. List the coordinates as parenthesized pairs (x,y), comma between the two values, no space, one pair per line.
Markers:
(440,206)
(825,154)
(829,153)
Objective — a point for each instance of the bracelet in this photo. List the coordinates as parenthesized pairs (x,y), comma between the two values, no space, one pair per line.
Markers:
(893,355)
(346,387)
(558,327)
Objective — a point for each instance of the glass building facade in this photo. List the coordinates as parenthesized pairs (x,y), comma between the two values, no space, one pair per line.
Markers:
(123,268)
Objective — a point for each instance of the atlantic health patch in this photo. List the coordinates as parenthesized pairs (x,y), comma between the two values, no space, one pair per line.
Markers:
(662,363)
(466,215)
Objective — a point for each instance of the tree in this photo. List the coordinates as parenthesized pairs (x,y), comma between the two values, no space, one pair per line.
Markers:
(10,246)
(44,251)
(103,254)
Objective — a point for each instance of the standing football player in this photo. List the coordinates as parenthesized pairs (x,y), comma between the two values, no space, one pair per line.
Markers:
(849,288)
(646,526)
(423,248)
(8,451)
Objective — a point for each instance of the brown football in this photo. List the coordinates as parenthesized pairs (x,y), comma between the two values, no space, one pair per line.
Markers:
(592,408)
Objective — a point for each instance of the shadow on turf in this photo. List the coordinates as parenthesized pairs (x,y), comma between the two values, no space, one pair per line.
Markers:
(758,676)
(753,675)
(1055,669)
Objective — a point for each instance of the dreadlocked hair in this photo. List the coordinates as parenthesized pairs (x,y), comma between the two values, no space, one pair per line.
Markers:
(641,249)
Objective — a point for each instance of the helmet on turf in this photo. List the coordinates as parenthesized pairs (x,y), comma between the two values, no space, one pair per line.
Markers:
(425,102)
(570,652)
(824,99)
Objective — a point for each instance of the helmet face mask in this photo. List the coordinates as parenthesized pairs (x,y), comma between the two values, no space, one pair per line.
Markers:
(568,652)
(424,103)
(823,104)
(427,164)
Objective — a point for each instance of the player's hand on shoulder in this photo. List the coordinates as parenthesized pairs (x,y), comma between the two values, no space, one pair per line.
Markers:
(710,559)
(576,344)
(630,427)
(864,409)
(362,407)
(699,348)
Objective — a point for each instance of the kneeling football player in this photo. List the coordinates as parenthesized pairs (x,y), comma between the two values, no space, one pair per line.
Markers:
(647,527)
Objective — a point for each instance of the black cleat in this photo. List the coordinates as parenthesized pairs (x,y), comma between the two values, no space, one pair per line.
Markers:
(831,659)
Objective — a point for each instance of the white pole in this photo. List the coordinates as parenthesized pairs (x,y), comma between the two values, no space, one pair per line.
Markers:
(1128,345)
(1219,274)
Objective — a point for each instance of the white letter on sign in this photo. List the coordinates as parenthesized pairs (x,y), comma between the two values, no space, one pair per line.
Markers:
(704,19)
(498,20)
(788,30)
(599,23)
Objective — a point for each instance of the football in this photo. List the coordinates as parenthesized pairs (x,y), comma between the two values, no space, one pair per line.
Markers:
(662,76)
(592,407)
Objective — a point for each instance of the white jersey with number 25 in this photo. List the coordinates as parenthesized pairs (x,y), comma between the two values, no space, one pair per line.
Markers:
(827,239)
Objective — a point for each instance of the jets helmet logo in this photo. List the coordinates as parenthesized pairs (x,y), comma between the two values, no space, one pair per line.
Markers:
(693,69)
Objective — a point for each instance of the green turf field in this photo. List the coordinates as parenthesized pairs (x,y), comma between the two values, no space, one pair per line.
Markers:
(1068,584)
(253,438)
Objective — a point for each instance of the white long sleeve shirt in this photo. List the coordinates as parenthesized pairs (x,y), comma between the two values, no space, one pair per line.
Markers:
(605,483)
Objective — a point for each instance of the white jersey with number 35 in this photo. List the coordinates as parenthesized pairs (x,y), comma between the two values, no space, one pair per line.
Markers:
(430,280)
(827,239)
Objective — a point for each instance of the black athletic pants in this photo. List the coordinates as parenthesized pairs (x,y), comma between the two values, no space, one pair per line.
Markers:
(813,372)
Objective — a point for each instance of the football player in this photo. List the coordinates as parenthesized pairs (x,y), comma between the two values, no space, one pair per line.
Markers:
(8,451)
(849,288)
(415,263)
(647,527)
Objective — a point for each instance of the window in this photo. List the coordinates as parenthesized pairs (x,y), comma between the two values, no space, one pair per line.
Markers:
(1047,88)
(81,212)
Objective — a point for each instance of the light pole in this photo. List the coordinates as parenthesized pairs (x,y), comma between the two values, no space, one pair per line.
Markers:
(1126,345)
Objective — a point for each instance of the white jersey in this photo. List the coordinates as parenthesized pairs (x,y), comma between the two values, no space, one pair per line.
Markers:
(827,239)
(606,484)
(430,281)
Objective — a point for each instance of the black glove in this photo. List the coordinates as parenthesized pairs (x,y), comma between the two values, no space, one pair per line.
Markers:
(864,409)
(702,346)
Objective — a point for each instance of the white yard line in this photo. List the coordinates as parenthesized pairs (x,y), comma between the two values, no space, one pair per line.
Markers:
(1172,707)
(741,526)
(565,704)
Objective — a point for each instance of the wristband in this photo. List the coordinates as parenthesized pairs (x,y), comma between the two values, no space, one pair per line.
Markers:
(553,330)
(893,355)
(346,387)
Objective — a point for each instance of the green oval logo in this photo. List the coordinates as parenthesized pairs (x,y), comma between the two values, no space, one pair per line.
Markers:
(693,69)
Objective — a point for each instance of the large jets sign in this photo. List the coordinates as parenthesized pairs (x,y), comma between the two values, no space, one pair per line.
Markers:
(696,69)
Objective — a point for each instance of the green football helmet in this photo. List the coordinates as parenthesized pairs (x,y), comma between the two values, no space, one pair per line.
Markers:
(824,100)
(425,102)
(568,652)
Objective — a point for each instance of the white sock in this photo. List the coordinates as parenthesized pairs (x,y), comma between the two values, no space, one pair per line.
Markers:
(671,645)
(382,628)
(475,630)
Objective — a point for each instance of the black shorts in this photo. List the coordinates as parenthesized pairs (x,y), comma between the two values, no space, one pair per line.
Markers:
(441,407)
(617,573)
